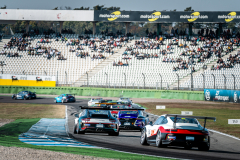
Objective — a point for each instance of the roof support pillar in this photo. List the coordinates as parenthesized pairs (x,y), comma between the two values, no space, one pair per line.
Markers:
(61,26)
(127,27)
(159,29)
(27,26)
(94,28)
(190,29)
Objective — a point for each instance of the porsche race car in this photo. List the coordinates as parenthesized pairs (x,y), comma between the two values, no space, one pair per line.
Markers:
(177,130)
(96,120)
(132,119)
(24,95)
(64,98)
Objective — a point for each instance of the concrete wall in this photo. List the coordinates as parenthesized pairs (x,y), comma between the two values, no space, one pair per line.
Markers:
(46,15)
(27,80)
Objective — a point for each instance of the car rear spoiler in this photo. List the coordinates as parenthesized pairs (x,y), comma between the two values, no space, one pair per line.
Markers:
(184,116)
(108,108)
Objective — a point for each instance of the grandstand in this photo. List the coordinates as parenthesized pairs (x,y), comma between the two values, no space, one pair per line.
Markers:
(67,71)
(142,70)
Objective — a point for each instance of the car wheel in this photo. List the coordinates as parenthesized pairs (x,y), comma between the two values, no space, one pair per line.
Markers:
(188,147)
(205,146)
(15,98)
(159,140)
(55,101)
(78,130)
(143,139)
(30,97)
(62,101)
(75,129)
(25,98)
(113,133)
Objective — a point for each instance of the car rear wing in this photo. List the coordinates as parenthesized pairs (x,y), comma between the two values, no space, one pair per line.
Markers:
(108,108)
(184,116)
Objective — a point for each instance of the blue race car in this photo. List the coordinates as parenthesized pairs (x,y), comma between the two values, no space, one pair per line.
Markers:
(132,120)
(24,95)
(64,98)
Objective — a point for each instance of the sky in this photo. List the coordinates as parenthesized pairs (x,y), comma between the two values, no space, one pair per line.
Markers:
(133,5)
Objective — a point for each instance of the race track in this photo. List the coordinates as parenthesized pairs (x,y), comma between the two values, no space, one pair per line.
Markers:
(222,147)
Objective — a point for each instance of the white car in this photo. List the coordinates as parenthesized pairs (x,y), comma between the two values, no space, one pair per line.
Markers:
(177,130)
(93,102)
(125,100)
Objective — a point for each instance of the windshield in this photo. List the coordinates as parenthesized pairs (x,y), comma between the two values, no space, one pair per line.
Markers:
(98,113)
(124,99)
(129,112)
(185,120)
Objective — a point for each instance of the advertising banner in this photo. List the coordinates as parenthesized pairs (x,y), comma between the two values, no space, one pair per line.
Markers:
(222,95)
(167,16)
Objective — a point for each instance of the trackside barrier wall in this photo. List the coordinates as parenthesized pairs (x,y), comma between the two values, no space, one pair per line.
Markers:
(103,92)
(27,80)
(222,95)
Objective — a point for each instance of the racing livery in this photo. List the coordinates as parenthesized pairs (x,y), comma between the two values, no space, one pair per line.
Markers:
(177,130)
(132,119)
(24,95)
(96,120)
(64,98)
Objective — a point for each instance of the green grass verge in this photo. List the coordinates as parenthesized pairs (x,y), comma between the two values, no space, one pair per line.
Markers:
(9,137)
(222,112)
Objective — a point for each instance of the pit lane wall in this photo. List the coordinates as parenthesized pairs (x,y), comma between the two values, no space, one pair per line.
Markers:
(27,80)
(107,92)
(222,95)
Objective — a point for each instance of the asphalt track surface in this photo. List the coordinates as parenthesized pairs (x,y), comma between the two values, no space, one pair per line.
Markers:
(222,147)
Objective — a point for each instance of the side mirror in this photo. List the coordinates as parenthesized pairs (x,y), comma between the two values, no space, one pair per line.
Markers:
(147,115)
(76,115)
(151,123)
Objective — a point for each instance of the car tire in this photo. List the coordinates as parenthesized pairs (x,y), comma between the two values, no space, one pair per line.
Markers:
(205,146)
(15,98)
(78,130)
(30,97)
(159,140)
(55,101)
(113,133)
(62,101)
(143,140)
(75,129)
(24,98)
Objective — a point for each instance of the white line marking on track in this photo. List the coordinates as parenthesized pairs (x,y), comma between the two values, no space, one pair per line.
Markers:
(66,124)
(224,134)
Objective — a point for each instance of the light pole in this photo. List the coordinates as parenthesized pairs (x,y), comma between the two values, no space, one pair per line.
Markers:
(2,63)
(225,87)
(191,73)
(178,81)
(203,80)
(213,81)
(143,80)
(161,80)
(125,80)
(106,78)
(233,81)
(87,79)
(66,76)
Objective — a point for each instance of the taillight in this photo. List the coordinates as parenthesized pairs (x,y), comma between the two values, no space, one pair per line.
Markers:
(167,130)
(86,119)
